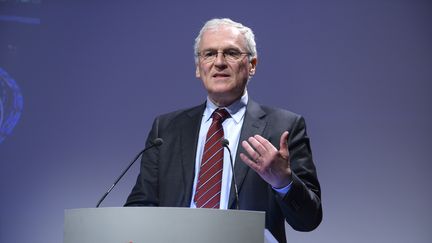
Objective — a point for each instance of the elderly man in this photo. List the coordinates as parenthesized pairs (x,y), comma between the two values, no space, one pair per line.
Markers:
(273,161)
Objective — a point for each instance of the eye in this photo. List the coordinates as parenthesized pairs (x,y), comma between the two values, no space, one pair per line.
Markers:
(209,54)
(232,53)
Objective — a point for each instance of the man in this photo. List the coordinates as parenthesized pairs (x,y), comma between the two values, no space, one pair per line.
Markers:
(273,161)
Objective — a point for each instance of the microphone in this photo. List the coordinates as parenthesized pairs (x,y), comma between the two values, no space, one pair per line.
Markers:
(155,143)
(225,143)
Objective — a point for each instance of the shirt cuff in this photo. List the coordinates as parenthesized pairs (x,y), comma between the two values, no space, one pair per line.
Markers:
(284,190)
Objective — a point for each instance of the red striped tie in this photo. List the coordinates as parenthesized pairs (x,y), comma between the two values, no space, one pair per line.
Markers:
(209,184)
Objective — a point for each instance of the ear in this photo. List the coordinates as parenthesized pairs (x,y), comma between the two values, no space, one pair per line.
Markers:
(197,71)
(252,67)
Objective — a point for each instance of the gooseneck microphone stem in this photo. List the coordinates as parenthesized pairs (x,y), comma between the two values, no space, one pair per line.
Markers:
(225,143)
(155,143)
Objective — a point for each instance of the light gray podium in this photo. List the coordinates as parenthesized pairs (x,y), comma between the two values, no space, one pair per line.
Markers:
(162,224)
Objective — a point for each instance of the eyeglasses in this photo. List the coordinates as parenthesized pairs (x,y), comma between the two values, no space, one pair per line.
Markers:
(230,55)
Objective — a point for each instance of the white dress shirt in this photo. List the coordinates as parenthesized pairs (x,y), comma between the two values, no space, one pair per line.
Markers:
(232,127)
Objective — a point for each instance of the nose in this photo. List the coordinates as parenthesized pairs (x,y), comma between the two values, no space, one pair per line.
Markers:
(220,60)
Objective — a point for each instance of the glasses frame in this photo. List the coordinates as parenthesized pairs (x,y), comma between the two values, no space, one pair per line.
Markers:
(224,54)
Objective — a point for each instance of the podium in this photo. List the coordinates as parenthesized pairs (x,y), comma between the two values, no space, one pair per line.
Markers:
(162,224)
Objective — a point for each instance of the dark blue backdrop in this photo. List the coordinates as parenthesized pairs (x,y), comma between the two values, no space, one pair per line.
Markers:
(94,74)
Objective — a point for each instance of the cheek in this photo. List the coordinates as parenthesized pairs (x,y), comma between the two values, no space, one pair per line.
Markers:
(242,73)
(241,67)
(204,71)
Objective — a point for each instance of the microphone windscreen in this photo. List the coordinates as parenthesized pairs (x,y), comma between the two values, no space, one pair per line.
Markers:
(225,142)
(157,141)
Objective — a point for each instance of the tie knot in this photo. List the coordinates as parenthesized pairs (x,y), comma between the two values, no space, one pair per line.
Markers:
(220,115)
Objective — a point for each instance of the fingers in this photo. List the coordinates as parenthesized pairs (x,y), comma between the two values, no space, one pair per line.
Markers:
(251,151)
(283,144)
(249,162)
(257,143)
(254,162)
(257,147)
(265,144)
(271,164)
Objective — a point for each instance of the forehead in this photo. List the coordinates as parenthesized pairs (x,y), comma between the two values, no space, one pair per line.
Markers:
(222,37)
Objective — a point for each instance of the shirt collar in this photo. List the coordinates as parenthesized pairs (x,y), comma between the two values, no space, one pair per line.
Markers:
(236,109)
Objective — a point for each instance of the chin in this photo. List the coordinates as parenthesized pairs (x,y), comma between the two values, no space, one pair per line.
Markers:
(223,96)
(219,87)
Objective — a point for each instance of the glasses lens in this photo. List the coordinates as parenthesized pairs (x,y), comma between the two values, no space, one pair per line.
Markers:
(208,56)
(232,55)
(229,55)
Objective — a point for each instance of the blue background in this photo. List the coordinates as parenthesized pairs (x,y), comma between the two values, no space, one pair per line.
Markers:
(94,74)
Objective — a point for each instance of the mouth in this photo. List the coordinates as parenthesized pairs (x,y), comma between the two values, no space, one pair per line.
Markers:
(220,75)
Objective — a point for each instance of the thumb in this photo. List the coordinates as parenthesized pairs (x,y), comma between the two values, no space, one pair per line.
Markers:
(283,144)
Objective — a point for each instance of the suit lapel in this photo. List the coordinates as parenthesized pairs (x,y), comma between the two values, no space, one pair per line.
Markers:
(189,126)
(254,123)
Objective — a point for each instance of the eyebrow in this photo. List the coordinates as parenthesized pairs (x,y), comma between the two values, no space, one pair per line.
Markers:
(225,49)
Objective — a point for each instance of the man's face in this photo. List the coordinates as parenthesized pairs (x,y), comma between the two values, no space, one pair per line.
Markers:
(225,80)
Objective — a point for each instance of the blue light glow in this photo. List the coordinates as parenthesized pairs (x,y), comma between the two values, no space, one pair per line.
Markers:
(11,104)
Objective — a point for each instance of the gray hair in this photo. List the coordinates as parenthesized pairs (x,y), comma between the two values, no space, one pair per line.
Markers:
(215,23)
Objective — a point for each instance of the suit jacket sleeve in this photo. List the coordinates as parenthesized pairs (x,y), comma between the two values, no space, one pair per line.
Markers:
(145,192)
(302,204)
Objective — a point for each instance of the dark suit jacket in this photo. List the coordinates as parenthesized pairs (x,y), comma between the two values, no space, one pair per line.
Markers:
(167,172)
